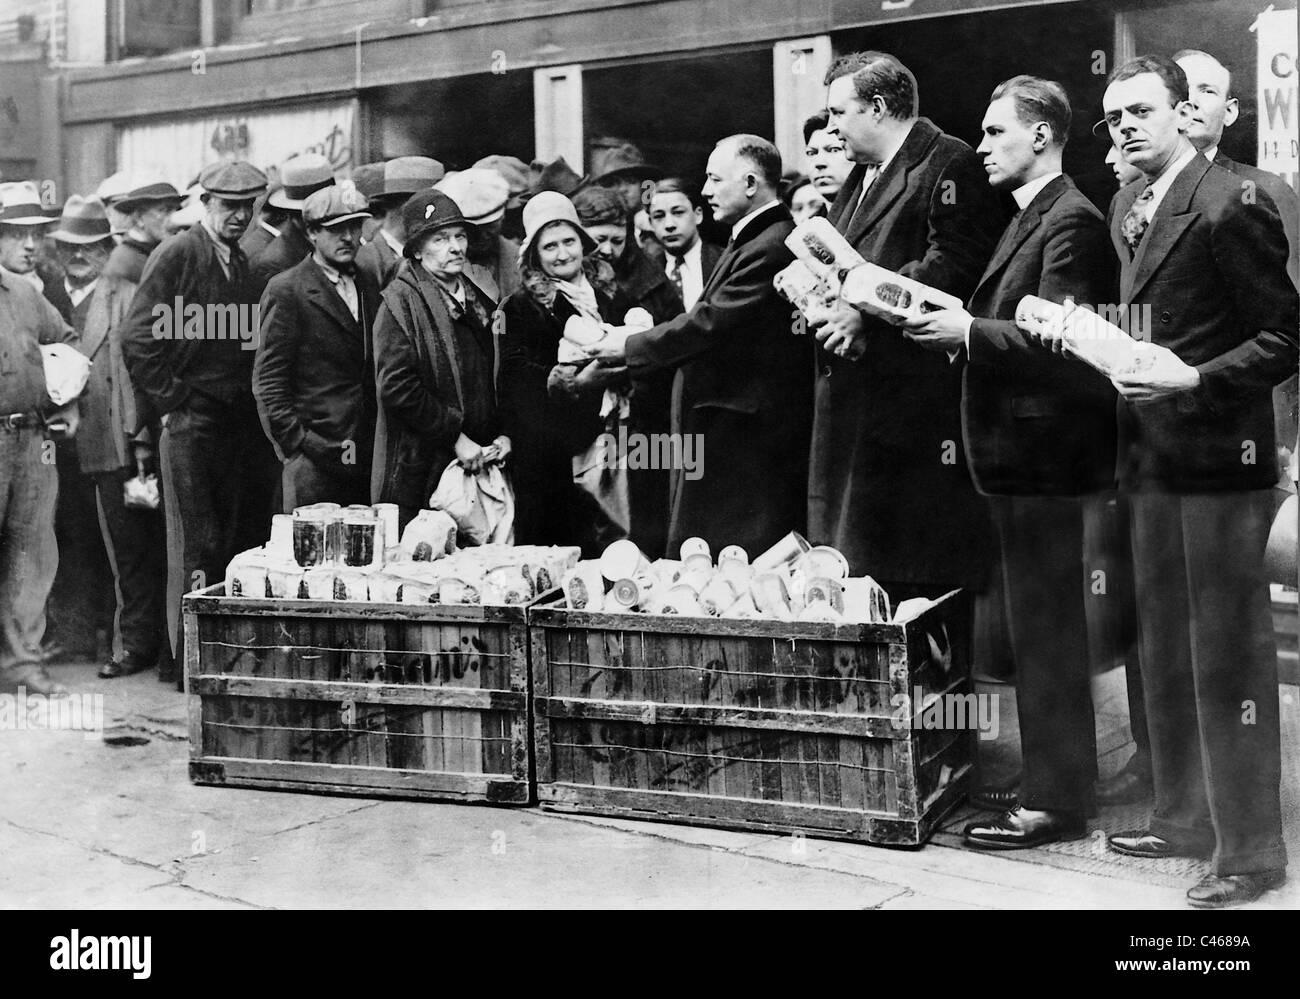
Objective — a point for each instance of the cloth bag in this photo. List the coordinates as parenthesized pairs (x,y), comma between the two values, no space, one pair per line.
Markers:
(66,371)
(481,503)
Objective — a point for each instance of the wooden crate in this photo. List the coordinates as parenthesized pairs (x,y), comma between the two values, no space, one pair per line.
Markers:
(751,724)
(384,700)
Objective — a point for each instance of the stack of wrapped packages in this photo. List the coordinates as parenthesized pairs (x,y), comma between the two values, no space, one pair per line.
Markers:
(328,552)
(792,581)
(827,269)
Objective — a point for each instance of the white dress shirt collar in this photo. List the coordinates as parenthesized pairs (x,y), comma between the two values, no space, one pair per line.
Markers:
(77,295)
(1026,193)
(735,229)
(1161,185)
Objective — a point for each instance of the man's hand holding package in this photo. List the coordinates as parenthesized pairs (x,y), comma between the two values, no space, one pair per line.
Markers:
(944,330)
(842,332)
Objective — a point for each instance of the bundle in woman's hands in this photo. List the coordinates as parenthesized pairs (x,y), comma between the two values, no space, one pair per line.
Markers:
(582,334)
(792,581)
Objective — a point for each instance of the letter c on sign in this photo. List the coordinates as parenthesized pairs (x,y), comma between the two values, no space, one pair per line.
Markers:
(1282,58)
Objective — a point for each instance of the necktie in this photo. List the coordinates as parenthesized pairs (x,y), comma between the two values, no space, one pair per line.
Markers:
(238,265)
(1135,222)
(675,276)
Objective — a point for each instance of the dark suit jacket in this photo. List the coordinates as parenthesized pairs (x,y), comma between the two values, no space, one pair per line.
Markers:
(285,251)
(1037,423)
(314,376)
(888,484)
(744,389)
(1284,198)
(1212,271)
(255,239)
(165,371)
(378,260)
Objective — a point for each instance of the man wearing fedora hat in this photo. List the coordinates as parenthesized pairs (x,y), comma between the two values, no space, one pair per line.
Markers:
(621,166)
(299,176)
(23,224)
(219,471)
(115,442)
(314,376)
(28,550)
(482,196)
(402,177)
(81,605)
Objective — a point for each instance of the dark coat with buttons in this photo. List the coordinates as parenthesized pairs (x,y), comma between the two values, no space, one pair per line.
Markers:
(1037,423)
(314,375)
(743,397)
(888,483)
(1212,270)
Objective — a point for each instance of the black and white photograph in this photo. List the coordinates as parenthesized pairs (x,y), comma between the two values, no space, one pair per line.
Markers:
(650,455)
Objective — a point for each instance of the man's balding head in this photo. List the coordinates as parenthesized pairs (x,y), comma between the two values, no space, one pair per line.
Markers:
(743,172)
(1209,85)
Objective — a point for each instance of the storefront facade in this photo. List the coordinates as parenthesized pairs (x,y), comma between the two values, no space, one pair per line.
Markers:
(544,79)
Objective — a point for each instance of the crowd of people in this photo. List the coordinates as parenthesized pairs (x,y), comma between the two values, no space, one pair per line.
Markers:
(349,340)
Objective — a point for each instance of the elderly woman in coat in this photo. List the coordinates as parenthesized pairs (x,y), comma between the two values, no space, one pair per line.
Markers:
(435,363)
(554,407)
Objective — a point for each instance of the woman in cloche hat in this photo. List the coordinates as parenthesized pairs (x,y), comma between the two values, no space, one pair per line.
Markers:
(554,409)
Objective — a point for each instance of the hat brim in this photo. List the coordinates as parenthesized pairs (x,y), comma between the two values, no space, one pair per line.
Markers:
(339,220)
(128,205)
(29,220)
(78,238)
(489,218)
(277,200)
(645,171)
(588,244)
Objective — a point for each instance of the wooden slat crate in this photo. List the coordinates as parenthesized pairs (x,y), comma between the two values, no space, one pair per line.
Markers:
(751,724)
(384,700)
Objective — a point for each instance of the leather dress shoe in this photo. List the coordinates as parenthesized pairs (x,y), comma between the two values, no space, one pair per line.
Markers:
(1021,828)
(996,799)
(1128,787)
(1218,891)
(128,664)
(1147,845)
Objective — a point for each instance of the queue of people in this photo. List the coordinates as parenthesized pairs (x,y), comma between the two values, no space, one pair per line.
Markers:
(413,319)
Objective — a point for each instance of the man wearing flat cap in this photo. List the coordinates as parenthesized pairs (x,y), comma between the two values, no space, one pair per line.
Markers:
(188,340)
(515,172)
(314,376)
(299,176)
(402,177)
(117,442)
(482,196)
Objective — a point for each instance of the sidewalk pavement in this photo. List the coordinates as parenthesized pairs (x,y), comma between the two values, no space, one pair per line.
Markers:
(95,822)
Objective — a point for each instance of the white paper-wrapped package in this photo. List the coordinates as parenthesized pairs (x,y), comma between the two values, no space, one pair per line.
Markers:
(1092,339)
(883,293)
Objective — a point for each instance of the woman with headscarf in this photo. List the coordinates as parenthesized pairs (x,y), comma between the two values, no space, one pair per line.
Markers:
(555,405)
